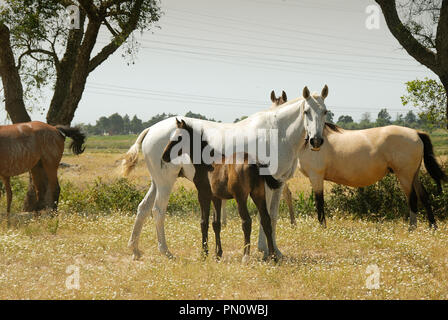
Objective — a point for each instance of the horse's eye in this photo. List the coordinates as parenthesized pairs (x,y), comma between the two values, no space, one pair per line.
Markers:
(325,113)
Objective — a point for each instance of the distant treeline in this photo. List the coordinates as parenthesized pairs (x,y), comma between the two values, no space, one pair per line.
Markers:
(410,120)
(117,124)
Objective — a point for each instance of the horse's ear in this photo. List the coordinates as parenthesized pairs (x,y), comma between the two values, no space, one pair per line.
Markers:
(184,125)
(284,97)
(178,123)
(273,98)
(306,93)
(324,93)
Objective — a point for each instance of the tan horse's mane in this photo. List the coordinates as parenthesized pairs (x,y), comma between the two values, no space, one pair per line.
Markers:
(333,128)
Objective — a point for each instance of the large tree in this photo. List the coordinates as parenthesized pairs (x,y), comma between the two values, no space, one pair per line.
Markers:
(421,27)
(40,47)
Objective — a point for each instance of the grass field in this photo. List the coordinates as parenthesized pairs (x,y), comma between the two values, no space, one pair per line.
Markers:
(440,141)
(40,257)
(37,260)
(120,143)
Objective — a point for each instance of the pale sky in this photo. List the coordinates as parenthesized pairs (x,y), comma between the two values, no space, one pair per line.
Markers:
(223,58)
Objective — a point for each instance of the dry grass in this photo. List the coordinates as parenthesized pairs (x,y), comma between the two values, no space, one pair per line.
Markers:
(86,167)
(318,264)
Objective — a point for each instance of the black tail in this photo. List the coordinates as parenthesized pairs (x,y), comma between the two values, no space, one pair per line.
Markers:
(77,136)
(431,165)
(269,179)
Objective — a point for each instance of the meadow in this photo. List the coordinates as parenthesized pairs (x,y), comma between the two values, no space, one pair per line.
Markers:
(81,252)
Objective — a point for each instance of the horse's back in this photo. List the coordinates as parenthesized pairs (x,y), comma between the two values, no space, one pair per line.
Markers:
(22,145)
(362,157)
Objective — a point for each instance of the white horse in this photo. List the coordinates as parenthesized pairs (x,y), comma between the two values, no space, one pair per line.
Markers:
(287,121)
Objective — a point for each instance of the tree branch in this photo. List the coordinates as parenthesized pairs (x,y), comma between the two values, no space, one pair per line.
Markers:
(420,53)
(118,40)
(30,52)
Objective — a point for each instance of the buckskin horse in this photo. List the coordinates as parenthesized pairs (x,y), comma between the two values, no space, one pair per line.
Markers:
(23,145)
(359,158)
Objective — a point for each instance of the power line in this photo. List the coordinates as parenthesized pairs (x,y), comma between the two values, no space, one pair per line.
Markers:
(284,55)
(280,48)
(268,65)
(282,29)
(170,96)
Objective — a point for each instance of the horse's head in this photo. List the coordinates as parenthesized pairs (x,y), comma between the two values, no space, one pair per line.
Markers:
(181,138)
(278,101)
(314,114)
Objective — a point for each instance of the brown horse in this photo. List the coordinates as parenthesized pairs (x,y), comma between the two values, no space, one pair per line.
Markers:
(217,182)
(23,145)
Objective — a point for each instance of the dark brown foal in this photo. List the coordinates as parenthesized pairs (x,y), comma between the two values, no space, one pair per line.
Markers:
(238,181)
(23,145)
(224,181)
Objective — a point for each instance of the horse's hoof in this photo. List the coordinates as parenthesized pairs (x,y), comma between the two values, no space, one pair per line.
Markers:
(169,255)
(137,255)
(433,226)
(270,257)
(412,227)
(203,256)
(278,254)
(245,259)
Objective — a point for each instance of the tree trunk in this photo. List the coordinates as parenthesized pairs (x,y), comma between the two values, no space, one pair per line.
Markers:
(12,84)
(444,80)
(73,79)
(64,72)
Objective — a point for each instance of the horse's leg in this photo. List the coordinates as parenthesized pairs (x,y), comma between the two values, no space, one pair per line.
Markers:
(424,198)
(144,208)
(39,179)
(406,182)
(7,183)
(217,226)
(204,198)
(273,202)
(51,169)
(162,197)
(246,224)
(259,199)
(223,213)
(317,184)
(288,198)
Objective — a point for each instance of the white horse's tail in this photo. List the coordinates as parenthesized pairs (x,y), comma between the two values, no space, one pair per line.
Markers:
(131,157)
